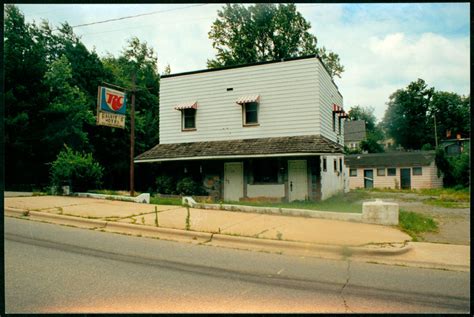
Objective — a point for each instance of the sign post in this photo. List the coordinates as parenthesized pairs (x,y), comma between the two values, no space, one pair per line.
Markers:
(111,110)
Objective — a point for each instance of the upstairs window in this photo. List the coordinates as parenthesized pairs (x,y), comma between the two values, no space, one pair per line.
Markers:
(250,112)
(189,119)
(250,107)
(188,115)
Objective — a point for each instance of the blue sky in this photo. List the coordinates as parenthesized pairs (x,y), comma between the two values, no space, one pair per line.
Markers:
(382,46)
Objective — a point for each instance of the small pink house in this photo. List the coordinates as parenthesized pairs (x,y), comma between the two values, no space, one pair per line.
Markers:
(398,170)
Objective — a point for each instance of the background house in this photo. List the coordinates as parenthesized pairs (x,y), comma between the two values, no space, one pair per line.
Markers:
(354,133)
(265,130)
(405,170)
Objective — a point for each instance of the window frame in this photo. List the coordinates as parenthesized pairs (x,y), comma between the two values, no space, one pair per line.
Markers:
(417,167)
(244,114)
(353,174)
(325,164)
(183,119)
(394,171)
(381,169)
(335,165)
(257,166)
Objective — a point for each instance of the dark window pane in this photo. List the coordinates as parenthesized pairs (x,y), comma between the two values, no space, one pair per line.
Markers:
(391,171)
(380,171)
(265,171)
(353,172)
(417,171)
(189,118)
(251,113)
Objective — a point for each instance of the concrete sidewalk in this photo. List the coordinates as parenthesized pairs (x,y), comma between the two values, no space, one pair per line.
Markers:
(273,233)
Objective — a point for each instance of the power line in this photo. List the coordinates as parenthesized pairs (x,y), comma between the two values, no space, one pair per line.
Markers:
(134,16)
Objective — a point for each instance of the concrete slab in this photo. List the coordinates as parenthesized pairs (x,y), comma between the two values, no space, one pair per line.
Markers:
(82,207)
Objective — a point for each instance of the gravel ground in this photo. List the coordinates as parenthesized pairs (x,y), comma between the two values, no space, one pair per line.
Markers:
(454,223)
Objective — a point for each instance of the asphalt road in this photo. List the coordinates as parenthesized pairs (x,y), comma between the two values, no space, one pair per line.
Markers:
(51,268)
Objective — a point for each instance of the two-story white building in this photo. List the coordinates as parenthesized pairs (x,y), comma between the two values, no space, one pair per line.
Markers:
(265,130)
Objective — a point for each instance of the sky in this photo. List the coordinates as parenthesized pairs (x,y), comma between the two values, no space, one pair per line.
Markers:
(383,47)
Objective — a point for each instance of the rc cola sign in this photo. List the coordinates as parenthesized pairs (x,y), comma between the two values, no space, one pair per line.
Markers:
(111,106)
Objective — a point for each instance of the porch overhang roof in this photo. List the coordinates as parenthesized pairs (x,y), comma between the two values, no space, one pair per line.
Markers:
(309,145)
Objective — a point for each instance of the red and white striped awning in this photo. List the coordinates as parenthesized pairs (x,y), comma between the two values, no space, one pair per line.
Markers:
(247,99)
(337,109)
(187,105)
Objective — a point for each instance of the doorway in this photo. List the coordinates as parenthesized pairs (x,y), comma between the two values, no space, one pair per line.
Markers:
(405,178)
(368,178)
(233,181)
(297,180)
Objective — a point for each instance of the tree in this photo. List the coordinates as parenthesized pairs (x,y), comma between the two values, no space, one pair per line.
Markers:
(451,112)
(68,112)
(24,98)
(374,131)
(406,118)
(265,32)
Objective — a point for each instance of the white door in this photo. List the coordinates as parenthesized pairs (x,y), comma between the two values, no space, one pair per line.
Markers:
(233,181)
(297,180)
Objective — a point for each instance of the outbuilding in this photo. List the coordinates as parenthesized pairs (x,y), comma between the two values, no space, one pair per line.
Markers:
(398,170)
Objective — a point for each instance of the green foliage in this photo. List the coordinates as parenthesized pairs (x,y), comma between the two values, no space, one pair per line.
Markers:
(427,147)
(165,185)
(406,119)
(455,169)
(371,145)
(166,201)
(414,224)
(363,113)
(188,186)
(413,111)
(374,132)
(78,170)
(264,32)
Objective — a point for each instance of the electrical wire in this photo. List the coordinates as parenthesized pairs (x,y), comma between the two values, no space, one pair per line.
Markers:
(134,16)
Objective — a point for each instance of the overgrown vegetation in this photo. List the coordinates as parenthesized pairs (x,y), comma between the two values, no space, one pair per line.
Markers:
(188,186)
(455,169)
(78,170)
(414,224)
(165,185)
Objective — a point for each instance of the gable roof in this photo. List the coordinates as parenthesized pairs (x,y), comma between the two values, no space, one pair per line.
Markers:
(277,146)
(390,159)
(354,130)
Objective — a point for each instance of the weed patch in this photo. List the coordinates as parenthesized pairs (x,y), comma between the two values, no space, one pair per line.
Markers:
(415,224)
(165,201)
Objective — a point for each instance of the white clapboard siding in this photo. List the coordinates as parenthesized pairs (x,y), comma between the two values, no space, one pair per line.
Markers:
(329,95)
(289,102)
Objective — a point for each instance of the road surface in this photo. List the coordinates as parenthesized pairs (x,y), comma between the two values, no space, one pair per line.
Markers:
(58,269)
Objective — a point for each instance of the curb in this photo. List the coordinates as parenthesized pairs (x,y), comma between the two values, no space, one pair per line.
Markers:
(172,234)
(36,215)
(307,246)
(204,237)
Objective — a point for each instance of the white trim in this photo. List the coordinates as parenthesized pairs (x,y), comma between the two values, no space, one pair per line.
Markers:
(232,157)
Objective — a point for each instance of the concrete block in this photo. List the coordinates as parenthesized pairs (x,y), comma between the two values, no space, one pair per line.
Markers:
(188,201)
(380,212)
(143,198)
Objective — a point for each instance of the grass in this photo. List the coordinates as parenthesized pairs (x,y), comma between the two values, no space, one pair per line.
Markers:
(414,224)
(165,201)
(349,202)
(112,192)
(445,203)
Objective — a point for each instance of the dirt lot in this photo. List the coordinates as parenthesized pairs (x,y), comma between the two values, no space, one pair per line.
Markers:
(454,223)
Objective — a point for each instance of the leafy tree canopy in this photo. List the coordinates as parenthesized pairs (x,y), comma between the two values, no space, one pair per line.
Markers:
(264,32)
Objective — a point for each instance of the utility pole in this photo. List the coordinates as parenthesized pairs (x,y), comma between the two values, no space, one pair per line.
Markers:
(132,137)
(436,133)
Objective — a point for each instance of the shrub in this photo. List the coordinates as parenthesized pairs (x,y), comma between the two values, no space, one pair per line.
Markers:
(165,185)
(78,170)
(188,186)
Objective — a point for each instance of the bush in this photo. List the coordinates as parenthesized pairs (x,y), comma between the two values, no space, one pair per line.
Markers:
(78,170)
(188,186)
(165,185)
(455,169)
